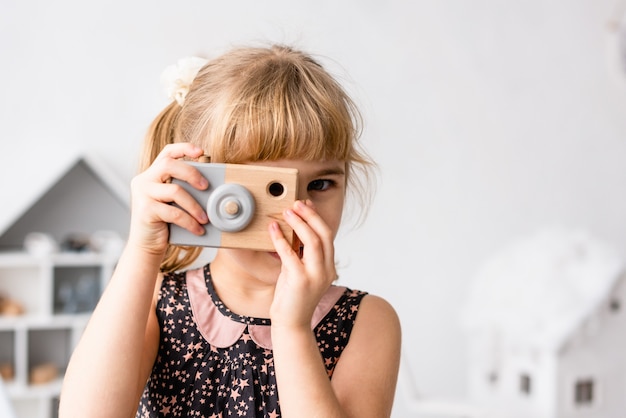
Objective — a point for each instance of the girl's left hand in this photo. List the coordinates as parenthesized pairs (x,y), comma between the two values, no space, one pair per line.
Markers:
(302,281)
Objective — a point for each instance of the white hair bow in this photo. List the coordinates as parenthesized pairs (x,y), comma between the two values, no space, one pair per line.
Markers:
(177,78)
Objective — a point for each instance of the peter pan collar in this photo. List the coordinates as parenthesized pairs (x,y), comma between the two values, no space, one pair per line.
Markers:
(223,331)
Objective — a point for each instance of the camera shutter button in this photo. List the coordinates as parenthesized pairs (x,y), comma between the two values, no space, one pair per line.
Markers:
(230,207)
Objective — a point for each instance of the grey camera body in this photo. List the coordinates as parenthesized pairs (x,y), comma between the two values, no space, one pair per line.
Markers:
(241,201)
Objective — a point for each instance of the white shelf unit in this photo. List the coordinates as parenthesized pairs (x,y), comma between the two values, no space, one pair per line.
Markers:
(58,293)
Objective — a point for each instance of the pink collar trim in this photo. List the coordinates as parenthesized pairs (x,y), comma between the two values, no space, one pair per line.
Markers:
(222,331)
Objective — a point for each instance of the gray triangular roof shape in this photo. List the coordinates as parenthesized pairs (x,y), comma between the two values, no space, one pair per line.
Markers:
(84,200)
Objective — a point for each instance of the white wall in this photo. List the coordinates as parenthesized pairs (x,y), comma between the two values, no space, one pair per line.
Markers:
(489,119)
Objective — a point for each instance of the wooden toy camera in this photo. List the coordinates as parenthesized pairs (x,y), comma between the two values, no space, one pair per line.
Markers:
(240,201)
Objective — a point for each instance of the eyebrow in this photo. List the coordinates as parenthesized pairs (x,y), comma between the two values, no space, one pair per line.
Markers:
(331,171)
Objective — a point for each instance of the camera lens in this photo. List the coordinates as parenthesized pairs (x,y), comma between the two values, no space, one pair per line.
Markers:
(276,189)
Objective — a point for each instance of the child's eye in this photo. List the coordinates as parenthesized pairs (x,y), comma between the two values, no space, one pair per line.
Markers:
(320,185)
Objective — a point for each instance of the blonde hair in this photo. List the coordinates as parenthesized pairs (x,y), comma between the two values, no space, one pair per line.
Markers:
(262,104)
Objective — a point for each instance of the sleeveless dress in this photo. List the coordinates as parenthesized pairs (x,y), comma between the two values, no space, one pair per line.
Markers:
(214,363)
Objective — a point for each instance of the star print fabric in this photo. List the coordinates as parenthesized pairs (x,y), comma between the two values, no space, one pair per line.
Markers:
(214,363)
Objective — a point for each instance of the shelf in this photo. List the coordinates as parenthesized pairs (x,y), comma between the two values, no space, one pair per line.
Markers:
(57,292)
(37,402)
(34,392)
(18,281)
(28,321)
(18,259)
(76,289)
(24,259)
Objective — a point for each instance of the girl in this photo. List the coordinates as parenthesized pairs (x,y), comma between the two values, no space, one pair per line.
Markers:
(163,342)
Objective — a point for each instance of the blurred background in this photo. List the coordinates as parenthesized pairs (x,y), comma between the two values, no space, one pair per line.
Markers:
(489,119)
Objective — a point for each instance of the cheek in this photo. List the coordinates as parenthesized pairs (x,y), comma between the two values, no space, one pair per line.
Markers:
(332,216)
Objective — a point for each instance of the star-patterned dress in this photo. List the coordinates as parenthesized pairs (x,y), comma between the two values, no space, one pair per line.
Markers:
(214,363)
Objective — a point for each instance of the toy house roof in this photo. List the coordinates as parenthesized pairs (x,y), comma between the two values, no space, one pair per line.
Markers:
(540,290)
(86,197)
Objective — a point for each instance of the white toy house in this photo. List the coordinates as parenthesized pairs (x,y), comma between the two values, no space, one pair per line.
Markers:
(55,259)
(546,322)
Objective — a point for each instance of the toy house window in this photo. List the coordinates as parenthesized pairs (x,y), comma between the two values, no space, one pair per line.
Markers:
(583,392)
(525,384)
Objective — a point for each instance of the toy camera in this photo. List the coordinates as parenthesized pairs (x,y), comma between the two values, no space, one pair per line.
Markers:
(240,201)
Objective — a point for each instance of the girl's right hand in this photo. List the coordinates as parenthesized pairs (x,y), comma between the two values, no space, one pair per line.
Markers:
(152,194)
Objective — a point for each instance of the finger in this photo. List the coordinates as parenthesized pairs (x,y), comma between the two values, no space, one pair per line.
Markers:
(149,194)
(175,215)
(168,160)
(178,169)
(180,150)
(323,233)
(310,203)
(282,246)
(174,193)
(314,249)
